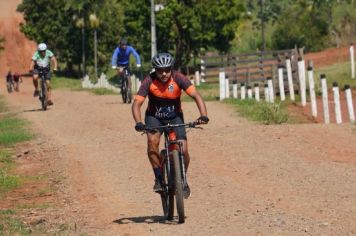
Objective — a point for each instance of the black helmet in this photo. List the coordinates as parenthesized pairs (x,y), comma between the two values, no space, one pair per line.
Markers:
(123,41)
(162,60)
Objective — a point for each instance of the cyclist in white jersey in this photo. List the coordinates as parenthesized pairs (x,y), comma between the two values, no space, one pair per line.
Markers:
(41,61)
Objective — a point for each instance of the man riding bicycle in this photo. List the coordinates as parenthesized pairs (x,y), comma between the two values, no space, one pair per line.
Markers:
(121,58)
(163,88)
(41,61)
(9,81)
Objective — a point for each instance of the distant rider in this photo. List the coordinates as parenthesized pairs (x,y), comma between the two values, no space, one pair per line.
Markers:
(41,61)
(121,58)
(17,81)
(9,80)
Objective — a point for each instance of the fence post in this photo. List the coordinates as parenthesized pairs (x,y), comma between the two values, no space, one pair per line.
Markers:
(337,103)
(324,89)
(222,83)
(302,87)
(227,87)
(352,58)
(290,79)
(270,90)
(266,93)
(249,92)
(197,78)
(350,106)
(243,91)
(312,91)
(202,69)
(257,92)
(281,83)
(234,88)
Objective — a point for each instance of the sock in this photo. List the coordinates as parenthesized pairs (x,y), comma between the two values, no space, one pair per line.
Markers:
(157,172)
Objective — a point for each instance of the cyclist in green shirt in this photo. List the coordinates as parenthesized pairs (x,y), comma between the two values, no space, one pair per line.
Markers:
(41,62)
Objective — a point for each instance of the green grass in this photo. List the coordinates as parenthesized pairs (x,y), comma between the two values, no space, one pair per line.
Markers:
(263,112)
(10,225)
(12,131)
(66,83)
(7,181)
(340,73)
(102,91)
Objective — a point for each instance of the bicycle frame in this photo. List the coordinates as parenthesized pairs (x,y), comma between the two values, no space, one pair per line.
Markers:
(125,90)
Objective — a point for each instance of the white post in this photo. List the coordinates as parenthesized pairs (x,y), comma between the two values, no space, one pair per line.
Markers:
(270,90)
(290,79)
(302,87)
(312,92)
(234,89)
(222,83)
(352,58)
(337,103)
(197,78)
(249,92)
(266,93)
(227,87)
(281,83)
(257,92)
(324,89)
(350,106)
(243,91)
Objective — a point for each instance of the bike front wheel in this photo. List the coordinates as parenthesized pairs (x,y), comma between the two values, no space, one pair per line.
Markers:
(44,96)
(178,182)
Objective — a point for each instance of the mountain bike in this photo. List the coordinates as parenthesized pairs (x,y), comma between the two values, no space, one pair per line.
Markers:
(125,90)
(173,171)
(43,93)
(9,86)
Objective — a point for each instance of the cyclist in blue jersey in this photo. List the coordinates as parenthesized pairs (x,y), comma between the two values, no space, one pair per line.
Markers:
(41,61)
(121,58)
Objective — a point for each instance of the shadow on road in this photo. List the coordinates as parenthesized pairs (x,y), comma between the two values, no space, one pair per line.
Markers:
(144,219)
(34,110)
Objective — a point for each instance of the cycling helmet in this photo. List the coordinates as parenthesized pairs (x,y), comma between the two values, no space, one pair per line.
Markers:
(123,41)
(162,60)
(42,47)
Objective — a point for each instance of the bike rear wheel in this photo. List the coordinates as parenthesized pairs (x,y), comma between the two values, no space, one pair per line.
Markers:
(178,182)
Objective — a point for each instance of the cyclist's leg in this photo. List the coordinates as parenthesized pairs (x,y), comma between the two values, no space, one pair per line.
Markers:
(182,137)
(49,90)
(128,77)
(35,82)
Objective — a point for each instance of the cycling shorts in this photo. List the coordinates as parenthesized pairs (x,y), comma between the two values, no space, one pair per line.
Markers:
(181,134)
(47,72)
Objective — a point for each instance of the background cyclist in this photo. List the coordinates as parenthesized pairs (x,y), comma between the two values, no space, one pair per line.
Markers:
(121,58)
(41,60)
(163,88)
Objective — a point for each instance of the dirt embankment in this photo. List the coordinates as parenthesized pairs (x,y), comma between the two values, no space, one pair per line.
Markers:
(18,49)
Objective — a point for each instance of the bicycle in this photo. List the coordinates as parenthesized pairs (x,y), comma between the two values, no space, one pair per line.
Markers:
(43,88)
(125,90)
(9,86)
(173,170)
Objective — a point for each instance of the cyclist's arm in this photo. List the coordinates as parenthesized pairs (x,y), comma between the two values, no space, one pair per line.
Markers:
(114,57)
(32,65)
(136,108)
(135,54)
(193,93)
(54,61)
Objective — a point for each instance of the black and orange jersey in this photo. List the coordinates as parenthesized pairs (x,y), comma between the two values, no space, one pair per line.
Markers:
(164,98)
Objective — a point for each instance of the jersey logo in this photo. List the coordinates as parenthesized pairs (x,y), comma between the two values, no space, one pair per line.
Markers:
(170,88)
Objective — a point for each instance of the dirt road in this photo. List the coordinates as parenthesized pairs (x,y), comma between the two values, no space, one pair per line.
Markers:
(246,179)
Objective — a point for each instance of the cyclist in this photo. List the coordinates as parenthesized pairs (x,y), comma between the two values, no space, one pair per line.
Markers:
(163,87)
(41,60)
(121,58)
(9,81)
(17,81)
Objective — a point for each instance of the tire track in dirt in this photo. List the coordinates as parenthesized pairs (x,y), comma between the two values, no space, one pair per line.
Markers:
(245,177)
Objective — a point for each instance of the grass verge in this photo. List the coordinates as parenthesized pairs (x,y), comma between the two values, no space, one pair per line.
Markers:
(266,113)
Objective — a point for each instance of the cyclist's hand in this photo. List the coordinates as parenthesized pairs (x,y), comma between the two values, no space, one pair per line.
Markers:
(138,65)
(203,120)
(139,127)
(114,67)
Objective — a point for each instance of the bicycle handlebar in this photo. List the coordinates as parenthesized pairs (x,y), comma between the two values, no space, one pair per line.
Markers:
(170,126)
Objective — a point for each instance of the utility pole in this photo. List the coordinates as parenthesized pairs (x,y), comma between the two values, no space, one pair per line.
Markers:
(153,30)
(262,3)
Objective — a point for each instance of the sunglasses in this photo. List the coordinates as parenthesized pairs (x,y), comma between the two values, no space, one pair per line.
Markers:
(161,70)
